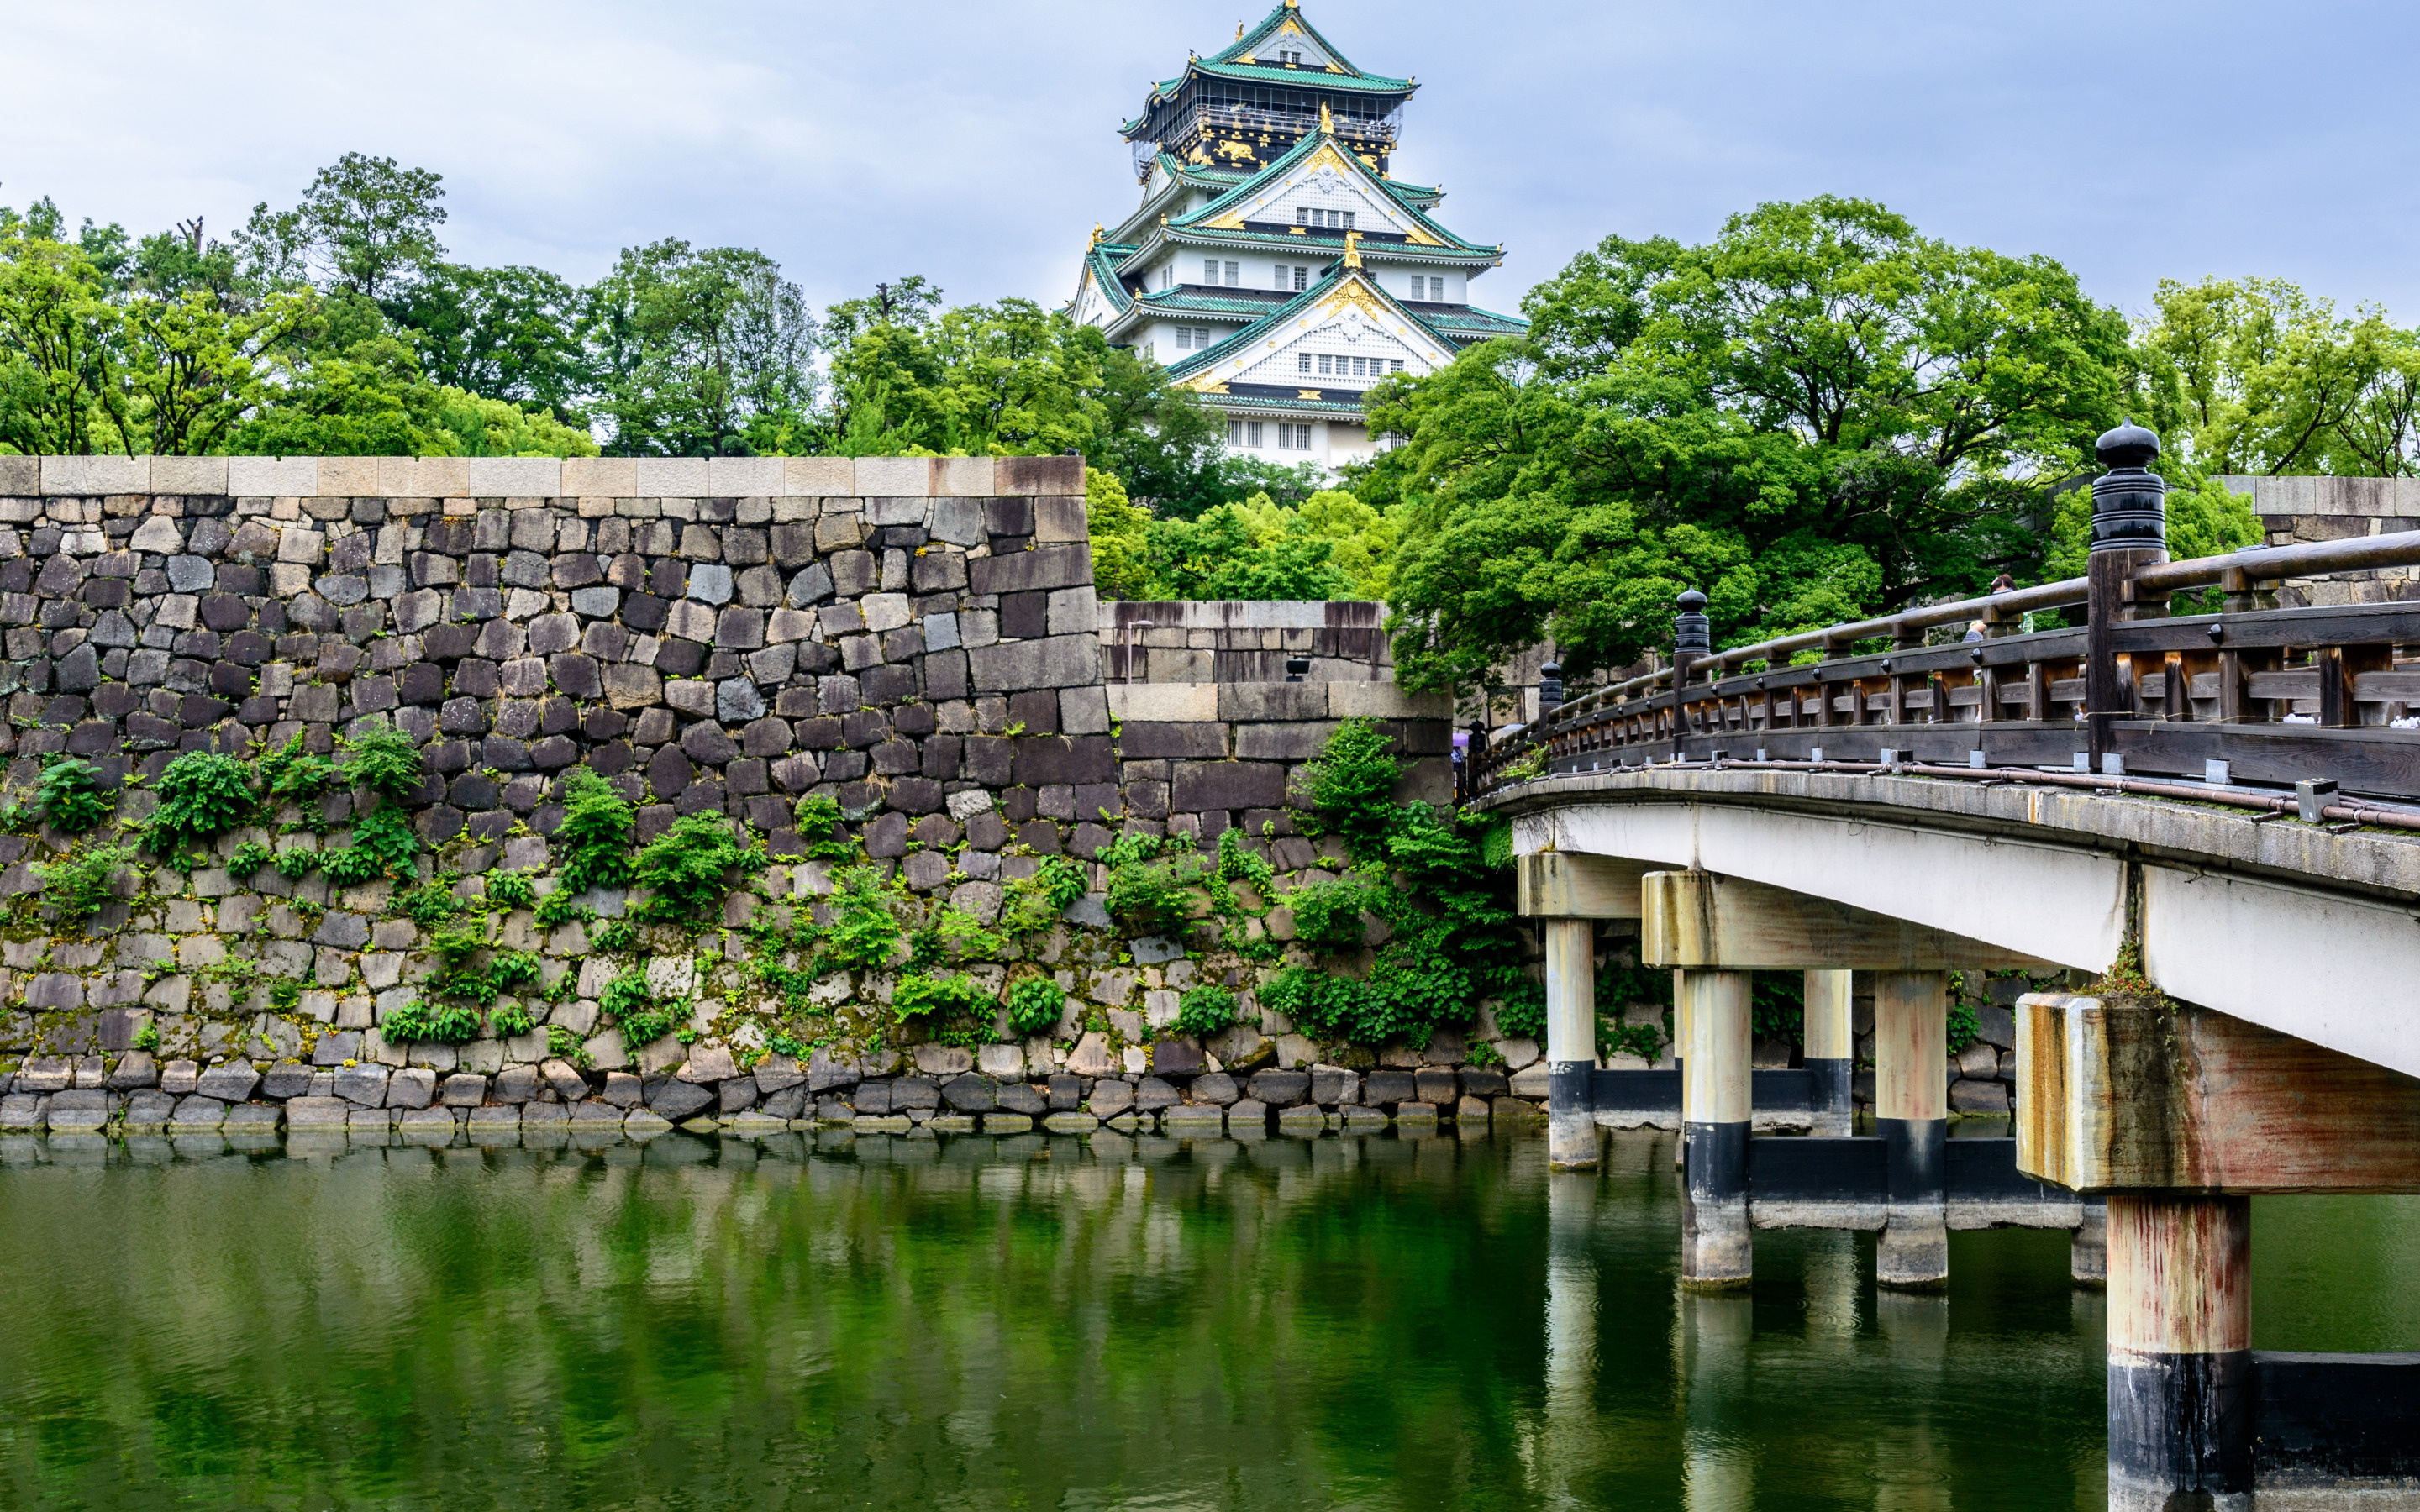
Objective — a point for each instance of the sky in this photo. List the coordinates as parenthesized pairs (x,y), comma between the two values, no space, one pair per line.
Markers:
(976,144)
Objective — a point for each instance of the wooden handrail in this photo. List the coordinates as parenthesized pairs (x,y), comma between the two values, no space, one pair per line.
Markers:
(2300,692)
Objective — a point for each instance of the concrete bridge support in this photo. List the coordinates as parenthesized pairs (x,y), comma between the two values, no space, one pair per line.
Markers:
(1571,1042)
(1912,1111)
(1567,894)
(1717,1245)
(2182,1393)
(1831,1050)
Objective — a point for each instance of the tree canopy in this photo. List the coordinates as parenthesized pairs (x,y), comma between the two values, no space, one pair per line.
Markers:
(1817,415)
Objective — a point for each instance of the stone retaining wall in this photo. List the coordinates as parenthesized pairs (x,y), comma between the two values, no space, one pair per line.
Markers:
(917,638)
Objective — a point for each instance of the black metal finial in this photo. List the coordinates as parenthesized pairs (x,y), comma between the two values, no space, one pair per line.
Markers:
(1550,686)
(2128,504)
(1692,632)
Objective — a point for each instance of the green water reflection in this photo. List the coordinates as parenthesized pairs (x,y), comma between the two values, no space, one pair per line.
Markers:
(1030,1323)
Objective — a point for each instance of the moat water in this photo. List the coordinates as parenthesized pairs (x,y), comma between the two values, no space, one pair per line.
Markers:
(1036,1322)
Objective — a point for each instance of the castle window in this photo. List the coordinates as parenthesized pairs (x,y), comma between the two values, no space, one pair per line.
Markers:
(1209,270)
(1323,360)
(1302,361)
(1301,278)
(1396,365)
(1292,438)
(1244,433)
(1235,275)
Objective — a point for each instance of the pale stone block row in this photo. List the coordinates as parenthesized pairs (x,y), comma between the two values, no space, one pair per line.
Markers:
(1059,479)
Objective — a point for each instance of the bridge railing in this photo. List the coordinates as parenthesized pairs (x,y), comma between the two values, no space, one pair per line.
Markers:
(2250,694)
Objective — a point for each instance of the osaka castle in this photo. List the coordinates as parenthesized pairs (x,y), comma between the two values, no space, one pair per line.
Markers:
(1276,265)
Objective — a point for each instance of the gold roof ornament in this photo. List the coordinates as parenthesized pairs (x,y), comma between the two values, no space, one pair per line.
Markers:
(1327,122)
(1239,31)
(1293,5)
(1097,232)
(1352,249)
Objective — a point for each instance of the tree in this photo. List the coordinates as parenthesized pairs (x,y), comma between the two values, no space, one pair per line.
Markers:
(365,226)
(59,338)
(911,377)
(703,353)
(1816,415)
(512,334)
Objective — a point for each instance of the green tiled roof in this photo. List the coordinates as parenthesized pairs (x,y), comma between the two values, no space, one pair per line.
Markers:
(1285,162)
(1191,298)
(1254,36)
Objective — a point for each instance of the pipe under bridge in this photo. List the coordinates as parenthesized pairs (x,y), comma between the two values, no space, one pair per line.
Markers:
(2202,833)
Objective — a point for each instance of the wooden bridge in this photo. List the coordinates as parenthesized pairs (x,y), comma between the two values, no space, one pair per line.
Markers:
(2197,827)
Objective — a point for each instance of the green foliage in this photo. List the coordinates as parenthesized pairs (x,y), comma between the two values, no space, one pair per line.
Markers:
(1964,1029)
(517,971)
(864,930)
(702,352)
(1777,1006)
(510,1021)
(1520,1012)
(1153,882)
(1239,862)
(148,1036)
(920,996)
(68,798)
(1352,788)
(202,797)
(1032,904)
(613,935)
(562,906)
(295,863)
(292,774)
(956,936)
(635,1006)
(249,858)
(383,845)
(1818,415)
(76,885)
(1205,1010)
(432,901)
(1223,555)
(512,889)
(689,866)
(421,1022)
(1034,1006)
(818,818)
(565,1045)
(1327,914)
(285,995)
(594,840)
(385,760)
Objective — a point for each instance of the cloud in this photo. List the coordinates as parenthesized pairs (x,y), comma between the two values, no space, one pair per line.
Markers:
(977,143)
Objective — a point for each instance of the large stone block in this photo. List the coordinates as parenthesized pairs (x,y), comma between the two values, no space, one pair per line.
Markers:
(1272,702)
(1031,475)
(1044,568)
(1164,702)
(1043,760)
(97,474)
(1198,786)
(515,477)
(1015,665)
(1150,741)
(1385,701)
(1281,742)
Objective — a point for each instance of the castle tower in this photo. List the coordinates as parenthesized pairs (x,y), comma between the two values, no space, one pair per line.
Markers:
(1275,266)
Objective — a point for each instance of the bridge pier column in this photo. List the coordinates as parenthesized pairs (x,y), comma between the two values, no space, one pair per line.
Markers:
(1717,1246)
(1831,1050)
(1570,1043)
(2181,1371)
(1911,1108)
(2087,1251)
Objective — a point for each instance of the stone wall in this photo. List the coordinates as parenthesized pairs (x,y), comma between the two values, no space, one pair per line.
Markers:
(1243,640)
(917,638)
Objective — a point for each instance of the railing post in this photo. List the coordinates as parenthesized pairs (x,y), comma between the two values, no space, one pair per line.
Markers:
(2130,530)
(1693,637)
